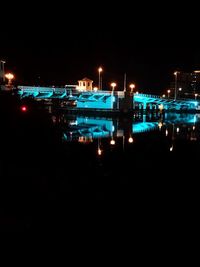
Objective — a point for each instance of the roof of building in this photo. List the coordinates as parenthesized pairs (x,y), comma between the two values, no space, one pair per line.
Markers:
(86,80)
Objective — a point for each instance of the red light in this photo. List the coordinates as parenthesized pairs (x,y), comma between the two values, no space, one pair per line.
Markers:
(24,108)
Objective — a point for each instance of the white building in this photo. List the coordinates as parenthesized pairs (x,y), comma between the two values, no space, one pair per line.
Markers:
(84,85)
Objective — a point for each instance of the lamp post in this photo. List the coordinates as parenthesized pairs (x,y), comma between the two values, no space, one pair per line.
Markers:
(168,92)
(130,140)
(113,85)
(10,77)
(179,91)
(175,84)
(195,95)
(132,86)
(100,82)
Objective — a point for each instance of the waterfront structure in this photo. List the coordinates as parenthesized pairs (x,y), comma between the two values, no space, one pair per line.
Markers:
(84,85)
(117,101)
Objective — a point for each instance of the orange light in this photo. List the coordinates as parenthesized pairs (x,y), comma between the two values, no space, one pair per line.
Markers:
(113,85)
(99,152)
(112,142)
(9,76)
(100,69)
(130,140)
(132,85)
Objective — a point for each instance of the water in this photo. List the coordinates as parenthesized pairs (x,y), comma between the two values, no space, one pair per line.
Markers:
(61,169)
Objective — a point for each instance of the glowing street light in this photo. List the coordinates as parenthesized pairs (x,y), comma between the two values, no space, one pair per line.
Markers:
(175,84)
(95,89)
(113,85)
(99,152)
(179,91)
(195,95)
(112,142)
(163,95)
(168,92)
(132,86)
(130,140)
(100,78)
(10,77)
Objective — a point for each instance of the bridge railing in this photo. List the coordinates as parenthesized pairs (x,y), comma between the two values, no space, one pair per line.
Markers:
(167,99)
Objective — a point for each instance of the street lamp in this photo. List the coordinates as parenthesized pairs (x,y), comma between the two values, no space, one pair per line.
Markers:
(130,140)
(195,95)
(168,92)
(113,85)
(100,82)
(175,84)
(10,77)
(132,86)
(112,142)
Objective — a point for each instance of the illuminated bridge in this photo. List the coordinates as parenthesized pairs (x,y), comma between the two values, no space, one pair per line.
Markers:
(152,101)
(108,100)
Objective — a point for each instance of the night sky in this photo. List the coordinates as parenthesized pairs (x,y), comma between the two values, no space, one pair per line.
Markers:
(57,45)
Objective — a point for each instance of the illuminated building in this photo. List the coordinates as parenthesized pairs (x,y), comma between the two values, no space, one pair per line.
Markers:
(187,84)
(84,85)
(2,74)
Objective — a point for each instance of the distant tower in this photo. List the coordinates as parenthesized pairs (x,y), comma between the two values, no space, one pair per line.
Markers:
(84,85)
(195,83)
(2,74)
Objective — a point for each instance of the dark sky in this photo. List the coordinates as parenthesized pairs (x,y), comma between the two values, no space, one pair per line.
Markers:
(61,44)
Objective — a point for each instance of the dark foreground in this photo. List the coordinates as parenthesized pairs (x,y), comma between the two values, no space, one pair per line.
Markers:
(48,185)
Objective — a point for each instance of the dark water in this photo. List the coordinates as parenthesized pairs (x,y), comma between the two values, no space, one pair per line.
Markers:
(66,172)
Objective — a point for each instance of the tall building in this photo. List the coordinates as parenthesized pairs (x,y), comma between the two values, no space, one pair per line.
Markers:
(187,84)
(195,81)
(2,73)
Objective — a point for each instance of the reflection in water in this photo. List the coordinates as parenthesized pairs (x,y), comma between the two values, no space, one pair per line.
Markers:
(88,129)
(85,129)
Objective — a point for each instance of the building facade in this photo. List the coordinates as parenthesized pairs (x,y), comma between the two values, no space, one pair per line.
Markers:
(186,84)
(2,73)
(84,85)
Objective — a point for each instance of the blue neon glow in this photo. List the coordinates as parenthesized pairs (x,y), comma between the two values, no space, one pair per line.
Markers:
(92,128)
(140,127)
(105,99)
(94,100)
